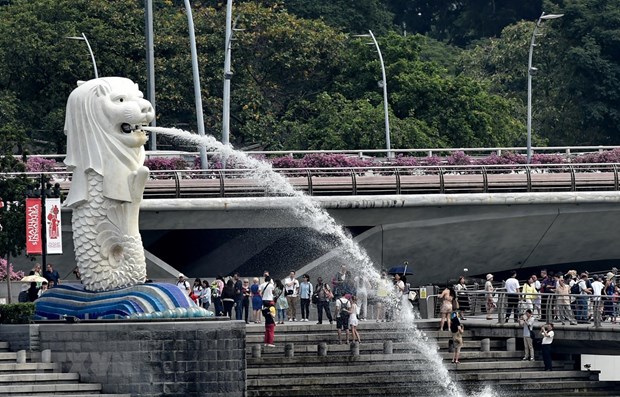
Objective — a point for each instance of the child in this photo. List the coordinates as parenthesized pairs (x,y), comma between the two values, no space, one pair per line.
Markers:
(269,312)
(457,337)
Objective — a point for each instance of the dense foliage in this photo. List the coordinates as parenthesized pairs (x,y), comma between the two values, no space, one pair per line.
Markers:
(17,313)
(456,71)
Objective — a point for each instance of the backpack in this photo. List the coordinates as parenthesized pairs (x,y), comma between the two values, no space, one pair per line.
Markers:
(215,290)
(454,324)
(315,297)
(575,290)
(344,308)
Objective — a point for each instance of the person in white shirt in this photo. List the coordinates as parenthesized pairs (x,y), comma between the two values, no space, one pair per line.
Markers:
(597,289)
(547,334)
(291,291)
(266,291)
(182,283)
(512,296)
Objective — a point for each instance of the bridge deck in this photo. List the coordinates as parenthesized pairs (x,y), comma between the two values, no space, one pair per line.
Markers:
(382,181)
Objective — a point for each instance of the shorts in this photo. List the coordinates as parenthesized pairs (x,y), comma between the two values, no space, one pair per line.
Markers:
(342,322)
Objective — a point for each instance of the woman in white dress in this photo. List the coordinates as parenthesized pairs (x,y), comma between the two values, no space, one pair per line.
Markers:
(353,320)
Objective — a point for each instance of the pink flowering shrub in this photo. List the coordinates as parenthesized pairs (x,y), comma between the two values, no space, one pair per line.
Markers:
(404,161)
(15,276)
(41,164)
(286,162)
(548,159)
(608,156)
(458,158)
(321,160)
(432,161)
(164,163)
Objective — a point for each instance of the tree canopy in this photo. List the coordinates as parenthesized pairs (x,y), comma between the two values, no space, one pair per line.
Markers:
(456,71)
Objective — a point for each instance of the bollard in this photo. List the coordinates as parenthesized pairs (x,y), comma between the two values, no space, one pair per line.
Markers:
(355,349)
(256,351)
(388,347)
(322,350)
(21,357)
(46,356)
(485,345)
(289,350)
(511,345)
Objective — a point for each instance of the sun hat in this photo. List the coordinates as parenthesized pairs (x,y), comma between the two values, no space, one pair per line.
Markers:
(489,276)
(609,276)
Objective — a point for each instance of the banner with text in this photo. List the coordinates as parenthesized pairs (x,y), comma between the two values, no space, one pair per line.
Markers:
(34,245)
(53,223)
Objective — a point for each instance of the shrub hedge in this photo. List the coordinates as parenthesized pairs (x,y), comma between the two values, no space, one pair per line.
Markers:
(17,313)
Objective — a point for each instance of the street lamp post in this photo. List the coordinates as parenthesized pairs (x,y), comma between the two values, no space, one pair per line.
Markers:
(530,72)
(150,65)
(90,50)
(385,97)
(227,76)
(196,75)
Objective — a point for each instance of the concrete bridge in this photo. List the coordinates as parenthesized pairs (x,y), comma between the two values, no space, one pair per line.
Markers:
(439,235)
(442,219)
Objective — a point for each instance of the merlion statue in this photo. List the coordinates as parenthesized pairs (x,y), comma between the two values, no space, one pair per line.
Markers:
(106,154)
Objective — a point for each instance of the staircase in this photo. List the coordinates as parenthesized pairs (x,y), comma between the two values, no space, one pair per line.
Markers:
(404,371)
(38,379)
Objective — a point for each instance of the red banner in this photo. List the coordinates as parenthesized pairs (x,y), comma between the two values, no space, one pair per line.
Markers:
(34,244)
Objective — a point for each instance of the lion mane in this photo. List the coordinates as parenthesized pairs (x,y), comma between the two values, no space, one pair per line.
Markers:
(92,144)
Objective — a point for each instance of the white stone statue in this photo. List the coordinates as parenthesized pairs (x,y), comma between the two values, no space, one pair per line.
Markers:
(106,154)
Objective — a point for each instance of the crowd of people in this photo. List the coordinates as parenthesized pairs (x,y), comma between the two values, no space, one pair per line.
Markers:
(32,291)
(344,300)
(572,297)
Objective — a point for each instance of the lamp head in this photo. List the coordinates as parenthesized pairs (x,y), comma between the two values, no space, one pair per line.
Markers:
(551,16)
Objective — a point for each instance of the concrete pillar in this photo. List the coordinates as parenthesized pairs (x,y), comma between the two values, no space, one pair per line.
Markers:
(46,356)
(355,349)
(322,349)
(21,357)
(289,350)
(388,347)
(256,351)
(485,345)
(511,344)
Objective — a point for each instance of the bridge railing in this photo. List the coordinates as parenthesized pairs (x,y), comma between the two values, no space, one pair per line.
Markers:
(379,180)
(547,307)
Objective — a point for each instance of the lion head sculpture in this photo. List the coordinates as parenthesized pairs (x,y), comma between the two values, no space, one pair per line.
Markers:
(102,127)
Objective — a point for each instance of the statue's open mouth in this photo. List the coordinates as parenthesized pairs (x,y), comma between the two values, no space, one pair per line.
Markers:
(128,128)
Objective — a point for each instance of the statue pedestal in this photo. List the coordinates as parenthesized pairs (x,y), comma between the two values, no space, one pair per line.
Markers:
(153,300)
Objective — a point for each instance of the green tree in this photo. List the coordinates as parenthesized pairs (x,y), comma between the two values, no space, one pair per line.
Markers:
(347,16)
(39,67)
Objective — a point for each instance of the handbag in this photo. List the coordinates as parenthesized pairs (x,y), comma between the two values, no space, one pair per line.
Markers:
(412,295)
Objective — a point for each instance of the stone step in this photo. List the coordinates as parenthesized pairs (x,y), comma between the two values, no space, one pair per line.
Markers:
(479,361)
(424,389)
(365,348)
(43,377)
(35,389)
(370,347)
(12,356)
(81,395)
(315,337)
(395,367)
(38,367)
(334,380)
(502,358)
